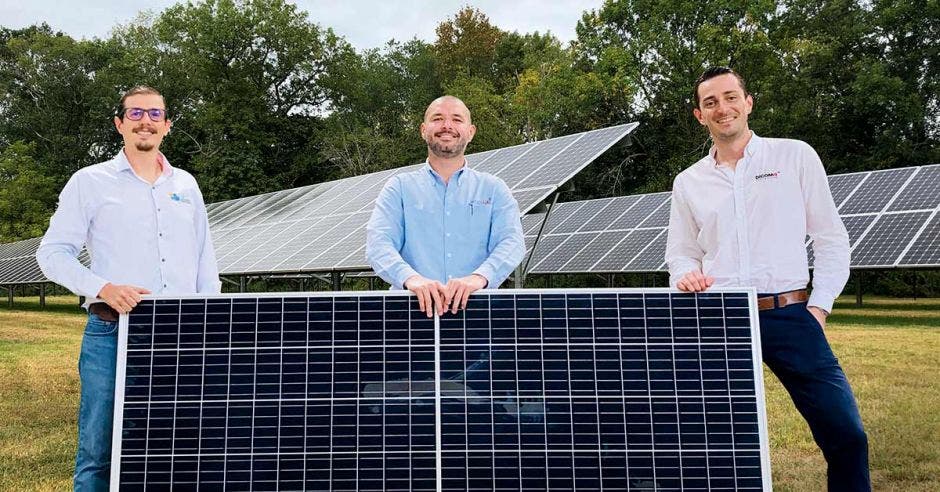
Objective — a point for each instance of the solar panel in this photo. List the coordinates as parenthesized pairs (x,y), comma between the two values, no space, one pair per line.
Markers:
(625,251)
(922,193)
(855,225)
(552,262)
(640,211)
(525,390)
(603,220)
(652,257)
(887,239)
(842,185)
(876,191)
(925,250)
(584,213)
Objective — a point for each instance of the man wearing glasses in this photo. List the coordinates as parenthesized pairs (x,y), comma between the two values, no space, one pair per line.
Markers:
(144,224)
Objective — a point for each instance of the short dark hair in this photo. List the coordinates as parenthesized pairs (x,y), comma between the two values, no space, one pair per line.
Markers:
(715,72)
(134,91)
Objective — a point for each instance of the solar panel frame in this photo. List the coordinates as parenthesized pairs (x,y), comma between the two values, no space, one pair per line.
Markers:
(449,456)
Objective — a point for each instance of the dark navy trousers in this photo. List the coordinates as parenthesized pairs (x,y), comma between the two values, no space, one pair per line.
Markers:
(795,348)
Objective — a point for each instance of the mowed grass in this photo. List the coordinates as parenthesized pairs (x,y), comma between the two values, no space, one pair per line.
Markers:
(889,348)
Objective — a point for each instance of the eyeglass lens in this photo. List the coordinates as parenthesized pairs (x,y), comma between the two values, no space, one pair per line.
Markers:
(136,114)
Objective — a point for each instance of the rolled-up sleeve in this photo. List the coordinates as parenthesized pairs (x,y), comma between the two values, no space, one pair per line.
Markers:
(683,252)
(385,236)
(60,246)
(507,245)
(825,227)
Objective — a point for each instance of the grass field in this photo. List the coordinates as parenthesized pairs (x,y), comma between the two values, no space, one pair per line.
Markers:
(889,348)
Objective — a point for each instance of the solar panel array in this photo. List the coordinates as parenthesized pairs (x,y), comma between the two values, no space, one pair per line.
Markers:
(891,217)
(524,390)
(322,227)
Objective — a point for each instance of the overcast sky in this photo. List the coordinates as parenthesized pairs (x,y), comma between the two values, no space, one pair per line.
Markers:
(365,24)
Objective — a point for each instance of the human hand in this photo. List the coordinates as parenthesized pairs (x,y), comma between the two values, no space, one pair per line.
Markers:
(430,294)
(122,298)
(459,290)
(695,281)
(819,314)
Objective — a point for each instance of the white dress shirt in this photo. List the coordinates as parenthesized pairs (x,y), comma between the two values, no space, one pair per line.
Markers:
(746,226)
(154,236)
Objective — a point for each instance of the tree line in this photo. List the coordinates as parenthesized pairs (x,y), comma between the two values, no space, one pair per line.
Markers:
(263,98)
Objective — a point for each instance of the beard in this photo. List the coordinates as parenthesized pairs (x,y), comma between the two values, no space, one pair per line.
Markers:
(144,146)
(447,151)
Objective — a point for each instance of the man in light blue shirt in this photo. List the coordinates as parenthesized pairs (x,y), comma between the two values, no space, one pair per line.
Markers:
(144,224)
(445,230)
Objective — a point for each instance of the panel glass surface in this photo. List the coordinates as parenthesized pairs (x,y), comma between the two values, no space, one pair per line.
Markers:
(925,251)
(524,390)
(639,212)
(876,191)
(922,193)
(659,217)
(887,238)
(602,244)
(614,209)
(841,185)
(652,257)
(570,247)
(625,251)
(585,213)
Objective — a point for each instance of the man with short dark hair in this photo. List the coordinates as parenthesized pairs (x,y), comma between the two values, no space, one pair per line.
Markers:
(445,230)
(739,218)
(145,227)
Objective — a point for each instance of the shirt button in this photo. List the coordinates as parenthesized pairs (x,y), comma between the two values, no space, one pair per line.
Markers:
(161,234)
(164,285)
(447,234)
(447,213)
(163,260)
(449,255)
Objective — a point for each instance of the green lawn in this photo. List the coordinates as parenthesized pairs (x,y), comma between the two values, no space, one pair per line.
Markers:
(889,348)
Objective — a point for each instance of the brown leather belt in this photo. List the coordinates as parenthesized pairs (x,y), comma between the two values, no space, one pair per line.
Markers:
(782,299)
(103,311)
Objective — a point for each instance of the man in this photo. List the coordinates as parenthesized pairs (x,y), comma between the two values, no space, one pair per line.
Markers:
(739,218)
(445,230)
(144,224)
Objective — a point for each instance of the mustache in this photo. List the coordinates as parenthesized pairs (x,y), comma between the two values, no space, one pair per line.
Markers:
(445,132)
(145,127)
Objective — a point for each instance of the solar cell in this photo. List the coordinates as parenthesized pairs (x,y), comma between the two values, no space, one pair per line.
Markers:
(531,223)
(659,217)
(606,217)
(524,390)
(553,261)
(925,250)
(559,213)
(532,160)
(528,199)
(625,251)
(640,211)
(876,191)
(585,213)
(574,158)
(545,246)
(603,243)
(887,239)
(651,258)
(922,192)
(329,229)
(503,158)
(340,249)
(855,225)
(842,185)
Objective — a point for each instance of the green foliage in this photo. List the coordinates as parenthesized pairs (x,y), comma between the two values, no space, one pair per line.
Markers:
(262,98)
(25,194)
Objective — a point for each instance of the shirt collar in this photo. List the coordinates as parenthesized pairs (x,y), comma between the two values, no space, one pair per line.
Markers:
(437,177)
(752,147)
(122,164)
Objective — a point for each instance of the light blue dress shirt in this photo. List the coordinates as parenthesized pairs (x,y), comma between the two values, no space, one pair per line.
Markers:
(442,231)
(154,236)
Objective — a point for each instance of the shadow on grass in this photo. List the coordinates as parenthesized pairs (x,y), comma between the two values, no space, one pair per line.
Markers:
(49,308)
(889,305)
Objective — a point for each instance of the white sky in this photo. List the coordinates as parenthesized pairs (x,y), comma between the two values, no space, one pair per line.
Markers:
(365,24)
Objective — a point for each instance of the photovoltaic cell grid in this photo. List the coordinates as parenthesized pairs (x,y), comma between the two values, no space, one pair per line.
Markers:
(525,390)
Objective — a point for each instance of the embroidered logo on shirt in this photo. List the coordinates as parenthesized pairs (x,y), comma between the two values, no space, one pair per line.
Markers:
(178,197)
(774,174)
(480,203)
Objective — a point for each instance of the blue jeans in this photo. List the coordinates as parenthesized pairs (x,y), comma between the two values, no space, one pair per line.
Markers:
(96,370)
(795,348)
